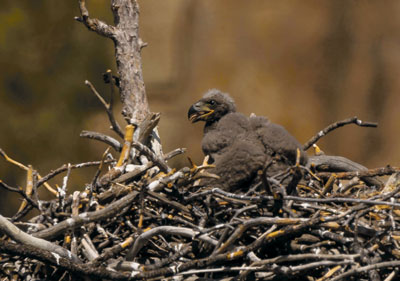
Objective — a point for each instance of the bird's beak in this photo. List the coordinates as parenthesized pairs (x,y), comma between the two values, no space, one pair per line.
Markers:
(199,111)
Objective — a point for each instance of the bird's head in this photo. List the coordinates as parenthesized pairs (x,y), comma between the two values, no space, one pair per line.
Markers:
(211,107)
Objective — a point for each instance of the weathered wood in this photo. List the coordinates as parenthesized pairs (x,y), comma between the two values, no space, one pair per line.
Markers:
(129,62)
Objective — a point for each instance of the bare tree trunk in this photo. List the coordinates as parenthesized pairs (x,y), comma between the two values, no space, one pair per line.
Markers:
(129,62)
(125,35)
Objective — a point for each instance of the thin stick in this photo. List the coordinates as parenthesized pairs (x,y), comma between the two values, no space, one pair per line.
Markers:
(353,120)
(108,106)
(20,191)
(103,138)
(22,166)
(64,168)
(87,217)
(98,26)
(363,269)
(152,156)
(100,167)
(60,262)
(28,189)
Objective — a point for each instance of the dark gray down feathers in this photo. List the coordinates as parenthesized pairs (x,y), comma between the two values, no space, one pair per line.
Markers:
(239,146)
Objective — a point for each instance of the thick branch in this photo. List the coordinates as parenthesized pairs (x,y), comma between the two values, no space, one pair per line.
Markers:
(142,240)
(21,237)
(125,35)
(95,25)
(84,218)
(60,262)
(103,138)
(129,63)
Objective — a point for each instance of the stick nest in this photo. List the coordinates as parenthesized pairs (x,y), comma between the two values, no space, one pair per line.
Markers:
(143,219)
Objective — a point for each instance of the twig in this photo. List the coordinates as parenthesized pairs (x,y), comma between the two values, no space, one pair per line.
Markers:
(123,159)
(362,269)
(152,156)
(108,106)
(342,200)
(22,166)
(353,120)
(291,270)
(308,256)
(103,138)
(96,176)
(20,191)
(89,249)
(62,192)
(158,184)
(164,199)
(64,168)
(28,189)
(221,269)
(141,241)
(23,213)
(180,251)
(114,123)
(95,25)
(253,222)
(87,217)
(328,185)
(111,252)
(60,262)
(174,153)
(133,173)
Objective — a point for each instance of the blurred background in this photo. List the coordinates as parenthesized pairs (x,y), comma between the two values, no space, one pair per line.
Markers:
(303,64)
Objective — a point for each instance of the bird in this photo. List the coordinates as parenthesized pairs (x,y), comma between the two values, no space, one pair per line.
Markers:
(240,146)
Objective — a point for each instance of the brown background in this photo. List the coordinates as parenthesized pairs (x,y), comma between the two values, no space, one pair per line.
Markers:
(304,64)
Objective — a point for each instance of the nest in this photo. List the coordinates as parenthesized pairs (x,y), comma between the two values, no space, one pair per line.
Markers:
(144,220)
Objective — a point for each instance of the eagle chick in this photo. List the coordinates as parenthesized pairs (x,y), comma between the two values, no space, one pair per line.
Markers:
(240,146)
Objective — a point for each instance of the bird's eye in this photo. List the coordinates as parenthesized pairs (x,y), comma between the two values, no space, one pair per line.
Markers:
(212,102)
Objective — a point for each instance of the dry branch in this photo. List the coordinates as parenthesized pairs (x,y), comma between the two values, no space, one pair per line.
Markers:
(108,106)
(85,218)
(125,35)
(353,120)
(19,236)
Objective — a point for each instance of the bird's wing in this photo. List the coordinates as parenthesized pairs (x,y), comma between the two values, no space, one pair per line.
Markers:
(228,129)
(276,139)
(238,164)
